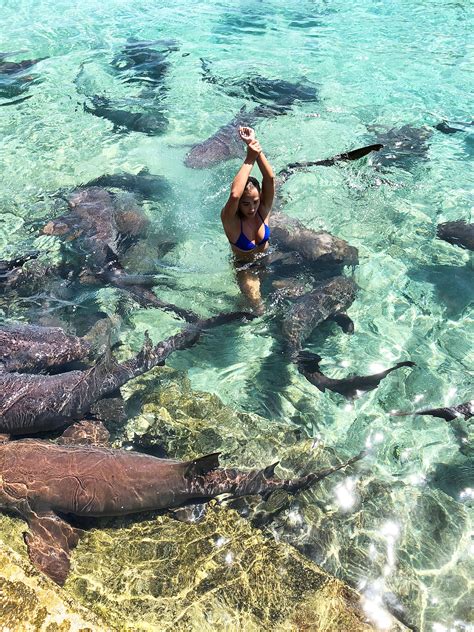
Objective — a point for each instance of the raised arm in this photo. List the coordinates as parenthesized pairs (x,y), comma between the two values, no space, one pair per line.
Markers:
(240,180)
(268,185)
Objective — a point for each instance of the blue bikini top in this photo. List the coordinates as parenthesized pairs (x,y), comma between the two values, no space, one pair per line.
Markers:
(244,243)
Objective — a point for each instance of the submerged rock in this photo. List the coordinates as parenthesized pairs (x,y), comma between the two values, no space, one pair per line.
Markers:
(187,422)
(154,572)
(355,525)
(220,574)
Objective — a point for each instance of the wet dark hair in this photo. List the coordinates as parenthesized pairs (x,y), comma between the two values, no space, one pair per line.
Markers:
(253,182)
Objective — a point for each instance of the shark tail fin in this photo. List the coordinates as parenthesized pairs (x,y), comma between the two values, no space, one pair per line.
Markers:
(306,481)
(295,485)
(202,465)
(399,365)
(356,154)
(448,414)
(308,361)
(224,318)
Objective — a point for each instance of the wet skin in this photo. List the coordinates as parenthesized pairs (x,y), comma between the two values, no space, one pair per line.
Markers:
(249,221)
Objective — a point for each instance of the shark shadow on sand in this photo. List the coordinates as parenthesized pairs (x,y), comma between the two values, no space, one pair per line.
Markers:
(453,285)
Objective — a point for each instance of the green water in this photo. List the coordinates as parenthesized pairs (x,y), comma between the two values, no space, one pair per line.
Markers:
(385,64)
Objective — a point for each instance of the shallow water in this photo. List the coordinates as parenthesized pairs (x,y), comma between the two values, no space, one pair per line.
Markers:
(377,65)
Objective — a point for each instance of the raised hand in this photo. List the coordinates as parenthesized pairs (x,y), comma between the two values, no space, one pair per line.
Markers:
(254,148)
(247,134)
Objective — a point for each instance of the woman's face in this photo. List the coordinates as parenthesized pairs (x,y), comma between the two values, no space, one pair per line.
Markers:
(249,202)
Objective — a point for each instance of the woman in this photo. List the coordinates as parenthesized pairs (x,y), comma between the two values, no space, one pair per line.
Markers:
(245,216)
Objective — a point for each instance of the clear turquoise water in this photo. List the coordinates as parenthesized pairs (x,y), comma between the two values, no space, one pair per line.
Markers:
(376,63)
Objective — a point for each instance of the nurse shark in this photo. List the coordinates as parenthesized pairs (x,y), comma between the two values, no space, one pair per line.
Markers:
(37,348)
(329,301)
(259,89)
(41,482)
(455,416)
(98,230)
(37,403)
(459,233)
(140,61)
(143,183)
(15,78)
(226,143)
(152,122)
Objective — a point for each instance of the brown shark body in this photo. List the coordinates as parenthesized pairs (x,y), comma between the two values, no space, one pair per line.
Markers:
(98,228)
(36,403)
(314,246)
(226,143)
(459,233)
(310,310)
(91,223)
(31,347)
(328,301)
(40,481)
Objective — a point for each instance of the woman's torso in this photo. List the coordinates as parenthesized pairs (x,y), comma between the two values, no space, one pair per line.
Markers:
(248,237)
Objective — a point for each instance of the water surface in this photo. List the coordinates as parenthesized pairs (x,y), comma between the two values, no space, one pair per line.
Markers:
(403,531)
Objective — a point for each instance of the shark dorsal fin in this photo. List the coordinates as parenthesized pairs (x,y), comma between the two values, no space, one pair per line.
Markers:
(202,465)
(145,353)
(269,471)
